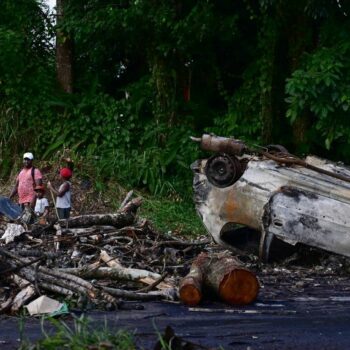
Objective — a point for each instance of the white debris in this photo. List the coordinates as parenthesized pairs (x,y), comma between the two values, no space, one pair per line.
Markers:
(43,305)
(12,231)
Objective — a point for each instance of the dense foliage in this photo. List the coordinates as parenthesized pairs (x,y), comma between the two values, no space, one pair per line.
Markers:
(150,73)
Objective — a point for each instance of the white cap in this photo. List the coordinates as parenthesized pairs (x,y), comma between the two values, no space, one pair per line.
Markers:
(28,155)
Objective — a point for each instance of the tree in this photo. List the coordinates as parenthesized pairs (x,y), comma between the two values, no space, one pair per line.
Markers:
(64,51)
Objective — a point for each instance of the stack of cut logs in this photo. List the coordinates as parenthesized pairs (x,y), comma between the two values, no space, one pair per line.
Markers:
(101,259)
(222,275)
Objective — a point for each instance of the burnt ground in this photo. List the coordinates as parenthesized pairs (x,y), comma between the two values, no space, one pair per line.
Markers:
(297,308)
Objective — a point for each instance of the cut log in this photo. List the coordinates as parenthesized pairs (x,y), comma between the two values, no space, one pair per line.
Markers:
(222,274)
(230,281)
(190,288)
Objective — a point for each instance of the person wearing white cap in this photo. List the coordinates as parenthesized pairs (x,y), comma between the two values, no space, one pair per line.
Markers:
(27,179)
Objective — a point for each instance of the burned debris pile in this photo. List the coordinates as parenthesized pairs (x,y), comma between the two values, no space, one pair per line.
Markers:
(95,260)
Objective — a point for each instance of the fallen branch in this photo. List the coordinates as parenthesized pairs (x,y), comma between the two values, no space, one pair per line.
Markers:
(123,218)
(114,273)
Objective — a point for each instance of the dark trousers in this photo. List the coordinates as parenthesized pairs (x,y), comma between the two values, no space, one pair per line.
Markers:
(63,213)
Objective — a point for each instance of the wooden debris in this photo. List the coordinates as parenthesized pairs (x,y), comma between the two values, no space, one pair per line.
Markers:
(100,258)
(222,274)
(124,217)
(190,288)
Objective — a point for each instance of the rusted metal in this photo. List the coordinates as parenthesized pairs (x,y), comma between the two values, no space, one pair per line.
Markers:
(221,144)
(279,199)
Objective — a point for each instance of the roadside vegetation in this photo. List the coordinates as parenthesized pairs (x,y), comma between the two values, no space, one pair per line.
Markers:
(144,76)
(79,334)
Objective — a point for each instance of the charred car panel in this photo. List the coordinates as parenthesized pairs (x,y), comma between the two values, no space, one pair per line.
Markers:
(292,202)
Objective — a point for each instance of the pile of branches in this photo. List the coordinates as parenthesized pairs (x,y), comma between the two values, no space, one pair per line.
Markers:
(98,260)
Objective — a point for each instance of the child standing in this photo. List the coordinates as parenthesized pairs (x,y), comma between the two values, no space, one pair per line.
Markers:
(63,200)
(41,208)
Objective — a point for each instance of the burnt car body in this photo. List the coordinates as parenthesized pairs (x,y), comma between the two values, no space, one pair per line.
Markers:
(278,196)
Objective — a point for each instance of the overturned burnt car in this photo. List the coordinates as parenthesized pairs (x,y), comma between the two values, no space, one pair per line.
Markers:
(284,201)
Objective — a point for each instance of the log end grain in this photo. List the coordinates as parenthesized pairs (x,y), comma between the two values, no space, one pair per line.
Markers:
(190,292)
(239,287)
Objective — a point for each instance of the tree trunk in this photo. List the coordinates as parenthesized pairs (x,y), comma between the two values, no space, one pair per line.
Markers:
(268,38)
(299,32)
(64,52)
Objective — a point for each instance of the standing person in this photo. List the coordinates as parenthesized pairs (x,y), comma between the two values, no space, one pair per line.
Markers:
(63,200)
(41,209)
(26,180)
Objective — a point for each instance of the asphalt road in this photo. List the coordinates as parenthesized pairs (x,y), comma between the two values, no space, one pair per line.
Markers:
(296,309)
(304,324)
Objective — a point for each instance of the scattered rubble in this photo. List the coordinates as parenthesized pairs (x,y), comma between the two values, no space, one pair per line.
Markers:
(96,259)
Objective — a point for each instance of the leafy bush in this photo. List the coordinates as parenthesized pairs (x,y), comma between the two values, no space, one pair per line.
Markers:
(321,86)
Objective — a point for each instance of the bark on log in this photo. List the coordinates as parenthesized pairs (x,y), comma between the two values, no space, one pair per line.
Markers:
(130,295)
(5,305)
(149,279)
(221,274)
(126,199)
(58,279)
(27,292)
(123,217)
(22,297)
(117,220)
(166,294)
(57,236)
(122,273)
(88,231)
(111,262)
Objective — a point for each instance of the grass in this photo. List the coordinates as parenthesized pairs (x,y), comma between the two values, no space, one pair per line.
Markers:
(81,335)
(179,217)
(166,214)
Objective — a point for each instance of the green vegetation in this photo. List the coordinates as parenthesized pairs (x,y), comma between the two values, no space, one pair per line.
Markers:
(145,75)
(81,335)
(170,215)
